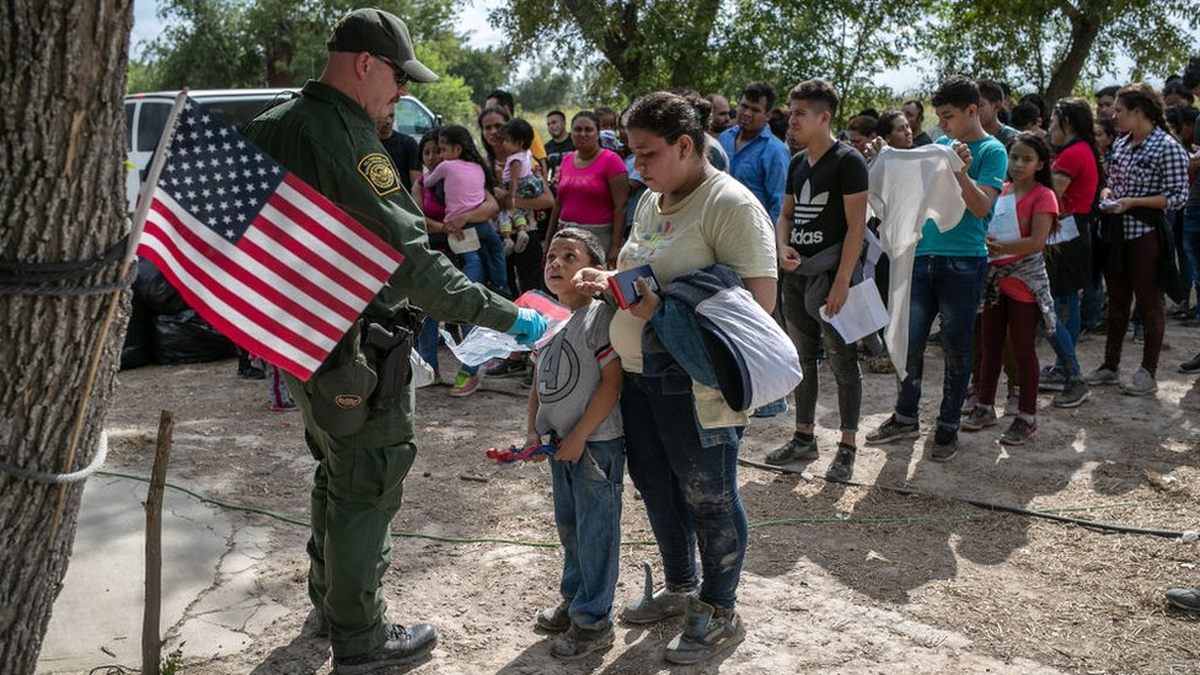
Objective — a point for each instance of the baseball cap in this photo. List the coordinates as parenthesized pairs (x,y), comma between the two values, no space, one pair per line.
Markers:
(340,404)
(381,34)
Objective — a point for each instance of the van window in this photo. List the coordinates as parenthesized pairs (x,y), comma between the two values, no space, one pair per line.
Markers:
(237,113)
(151,120)
(411,118)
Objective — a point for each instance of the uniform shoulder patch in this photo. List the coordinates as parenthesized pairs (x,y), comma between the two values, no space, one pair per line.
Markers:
(380,174)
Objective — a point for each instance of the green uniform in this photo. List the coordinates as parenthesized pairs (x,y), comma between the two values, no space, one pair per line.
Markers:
(327,140)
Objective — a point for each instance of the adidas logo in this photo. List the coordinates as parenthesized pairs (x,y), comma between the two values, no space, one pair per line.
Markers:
(808,207)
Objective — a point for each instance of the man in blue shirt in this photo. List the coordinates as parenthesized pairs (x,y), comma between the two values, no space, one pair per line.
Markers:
(756,158)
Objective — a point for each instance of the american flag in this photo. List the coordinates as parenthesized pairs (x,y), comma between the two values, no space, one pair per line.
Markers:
(264,258)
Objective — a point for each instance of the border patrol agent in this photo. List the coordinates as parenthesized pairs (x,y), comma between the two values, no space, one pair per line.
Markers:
(358,407)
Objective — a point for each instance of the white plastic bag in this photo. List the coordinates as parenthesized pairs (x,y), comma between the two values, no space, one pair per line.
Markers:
(422,372)
(482,344)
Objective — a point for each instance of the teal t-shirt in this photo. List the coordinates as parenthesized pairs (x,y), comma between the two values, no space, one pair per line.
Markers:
(989,166)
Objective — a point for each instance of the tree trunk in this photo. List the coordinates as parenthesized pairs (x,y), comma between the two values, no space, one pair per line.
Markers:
(62,80)
(1084,30)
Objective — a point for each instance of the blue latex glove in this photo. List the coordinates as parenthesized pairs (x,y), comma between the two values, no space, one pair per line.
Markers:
(528,327)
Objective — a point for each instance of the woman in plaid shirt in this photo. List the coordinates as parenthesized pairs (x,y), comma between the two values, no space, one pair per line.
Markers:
(1147,177)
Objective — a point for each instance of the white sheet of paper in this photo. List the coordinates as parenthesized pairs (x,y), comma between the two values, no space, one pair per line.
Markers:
(470,241)
(1067,230)
(1004,226)
(862,314)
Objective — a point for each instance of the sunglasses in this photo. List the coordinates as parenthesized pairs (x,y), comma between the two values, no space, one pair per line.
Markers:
(397,71)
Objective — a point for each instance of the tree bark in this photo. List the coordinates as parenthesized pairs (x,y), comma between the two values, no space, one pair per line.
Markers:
(1084,30)
(62,81)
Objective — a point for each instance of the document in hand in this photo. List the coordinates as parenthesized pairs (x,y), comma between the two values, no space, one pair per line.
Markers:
(1004,226)
(1067,230)
(862,314)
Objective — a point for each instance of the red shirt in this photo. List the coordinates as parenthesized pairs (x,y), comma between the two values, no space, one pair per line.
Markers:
(1077,163)
(1040,199)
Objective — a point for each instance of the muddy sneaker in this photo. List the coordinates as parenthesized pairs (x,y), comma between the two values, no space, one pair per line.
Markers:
(796,448)
(1185,598)
(654,605)
(577,642)
(466,384)
(982,416)
(1143,383)
(1019,432)
(1052,379)
(843,463)
(1073,395)
(945,444)
(1102,375)
(894,430)
(1191,366)
(403,645)
(707,631)
(555,619)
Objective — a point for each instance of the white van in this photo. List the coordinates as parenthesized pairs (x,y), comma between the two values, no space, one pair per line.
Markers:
(146,115)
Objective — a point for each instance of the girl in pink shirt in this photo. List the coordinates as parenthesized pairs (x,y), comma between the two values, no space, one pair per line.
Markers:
(1015,312)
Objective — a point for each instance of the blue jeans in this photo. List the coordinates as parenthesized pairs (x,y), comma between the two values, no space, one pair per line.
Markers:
(473,269)
(427,342)
(1066,333)
(1191,250)
(688,480)
(587,509)
(491,256)
(949,286)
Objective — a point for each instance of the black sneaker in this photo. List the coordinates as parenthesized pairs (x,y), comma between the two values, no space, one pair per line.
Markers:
(843,463)
(577,642)
(1192,366)
(893,430)
(795,449)
(981,416)
(1052,379)
(1019,432)
(707,631)
(555,619)
(1185,598)
(403,645)
(505,368)
(1073,395)
(945,445)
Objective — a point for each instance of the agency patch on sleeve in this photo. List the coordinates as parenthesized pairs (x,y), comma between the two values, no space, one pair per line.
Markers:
(380,174)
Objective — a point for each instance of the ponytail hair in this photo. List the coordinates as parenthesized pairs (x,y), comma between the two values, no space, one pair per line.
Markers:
(1141,96)
(458,135)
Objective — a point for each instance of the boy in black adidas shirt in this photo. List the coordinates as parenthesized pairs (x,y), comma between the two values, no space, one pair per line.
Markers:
(820,237)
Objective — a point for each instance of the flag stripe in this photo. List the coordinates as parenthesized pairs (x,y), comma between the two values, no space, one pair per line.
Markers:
(215,312)
(224,263)
(327,296)
(322,242)
(195,270)
(319,266)
(336,220)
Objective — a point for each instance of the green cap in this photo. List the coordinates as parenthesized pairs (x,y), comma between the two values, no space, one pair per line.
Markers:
(380,34)
(341,403)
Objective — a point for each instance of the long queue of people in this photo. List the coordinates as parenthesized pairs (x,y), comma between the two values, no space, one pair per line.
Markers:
(1056,216)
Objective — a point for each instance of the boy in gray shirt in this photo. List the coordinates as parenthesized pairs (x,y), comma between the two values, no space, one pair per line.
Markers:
(574,402)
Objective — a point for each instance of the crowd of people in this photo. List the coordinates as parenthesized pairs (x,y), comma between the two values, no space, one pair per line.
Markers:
(999,222)
(1075,220)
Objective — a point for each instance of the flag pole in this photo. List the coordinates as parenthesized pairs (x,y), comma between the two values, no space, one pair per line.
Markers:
(135,235)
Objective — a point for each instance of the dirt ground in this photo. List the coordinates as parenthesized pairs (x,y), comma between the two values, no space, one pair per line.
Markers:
(854,580)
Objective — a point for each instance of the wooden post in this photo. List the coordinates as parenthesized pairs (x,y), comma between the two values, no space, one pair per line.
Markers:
(151,638)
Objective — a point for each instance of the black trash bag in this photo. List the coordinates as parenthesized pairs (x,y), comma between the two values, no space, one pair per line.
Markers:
(138,350)
(154,290)
(187,338)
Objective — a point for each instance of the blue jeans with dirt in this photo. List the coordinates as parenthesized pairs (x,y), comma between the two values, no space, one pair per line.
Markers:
(587,510)
(688,480)
(949,286)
